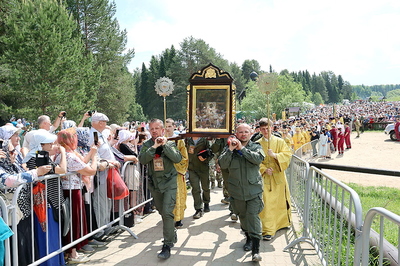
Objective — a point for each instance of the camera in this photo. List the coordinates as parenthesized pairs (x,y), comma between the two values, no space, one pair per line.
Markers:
(91,112)
(43,158)
(64,114)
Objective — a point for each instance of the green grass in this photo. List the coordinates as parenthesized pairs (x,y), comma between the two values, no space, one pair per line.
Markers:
(385,197)
(338,248)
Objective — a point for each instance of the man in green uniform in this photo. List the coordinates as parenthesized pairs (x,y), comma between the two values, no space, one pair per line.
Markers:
(242,158)
(217,147)
(160,155)
(199,177)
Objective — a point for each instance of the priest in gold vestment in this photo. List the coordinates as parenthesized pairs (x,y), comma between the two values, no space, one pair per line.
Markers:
(298,139)
(181,168)
(276,196)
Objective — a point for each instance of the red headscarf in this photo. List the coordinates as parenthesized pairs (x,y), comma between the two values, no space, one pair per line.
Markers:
(68,139)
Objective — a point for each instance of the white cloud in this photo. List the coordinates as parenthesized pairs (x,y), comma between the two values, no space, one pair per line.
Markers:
(356,39)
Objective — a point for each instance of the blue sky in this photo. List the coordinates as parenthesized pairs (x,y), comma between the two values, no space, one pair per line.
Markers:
(358,39)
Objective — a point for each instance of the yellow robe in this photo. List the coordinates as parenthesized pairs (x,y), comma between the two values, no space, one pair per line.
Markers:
(276,196)
(307,139)
(289,141)
(181,190)
(298,140)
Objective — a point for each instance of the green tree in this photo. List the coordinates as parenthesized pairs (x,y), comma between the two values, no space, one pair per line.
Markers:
(179,65)
(143,85)
(317,99)
(254,105)
(347,91)
(47,68)
(288,93)
(340,85)
(135,111)
(103,38)
(331,84)
(239,80)
(249,66)
(196,53)
(393,94)
(318,85)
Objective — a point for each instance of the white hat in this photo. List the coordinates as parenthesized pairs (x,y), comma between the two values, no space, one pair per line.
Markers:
(39,136)
(96,117)
(6,132)
(43,136)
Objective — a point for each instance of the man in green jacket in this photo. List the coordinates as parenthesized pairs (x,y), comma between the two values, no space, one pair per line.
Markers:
(242,158)
(199,174)
(160,155)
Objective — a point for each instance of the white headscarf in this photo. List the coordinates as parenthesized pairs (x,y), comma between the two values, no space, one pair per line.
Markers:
(40,136)
(124,135)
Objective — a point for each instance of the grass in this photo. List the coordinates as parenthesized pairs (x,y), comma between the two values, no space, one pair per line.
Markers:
(338,245)
(385,197)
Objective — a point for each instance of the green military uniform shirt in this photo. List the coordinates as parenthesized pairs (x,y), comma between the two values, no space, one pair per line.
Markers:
(161,180)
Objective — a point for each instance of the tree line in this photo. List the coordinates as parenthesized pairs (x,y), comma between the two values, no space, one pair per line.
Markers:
(71,55)
(64,55)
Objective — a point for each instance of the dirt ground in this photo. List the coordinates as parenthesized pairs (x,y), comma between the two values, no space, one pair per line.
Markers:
(371,150)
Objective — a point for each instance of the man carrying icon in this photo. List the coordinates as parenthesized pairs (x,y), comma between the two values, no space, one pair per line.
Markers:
(242,159)
(160,155)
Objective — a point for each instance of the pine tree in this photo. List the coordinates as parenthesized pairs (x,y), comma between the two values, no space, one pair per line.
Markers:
(48,68)
(104,39)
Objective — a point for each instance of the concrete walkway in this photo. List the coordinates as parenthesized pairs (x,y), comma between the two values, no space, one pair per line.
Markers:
(211,240)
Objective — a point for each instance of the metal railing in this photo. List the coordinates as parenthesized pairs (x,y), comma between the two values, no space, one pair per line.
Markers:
(4,215)
(381,249)
(54,241)
(331,213)
(308,150)
(328,204)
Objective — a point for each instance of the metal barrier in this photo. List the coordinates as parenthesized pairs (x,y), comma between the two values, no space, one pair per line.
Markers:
(386,252)
(308,150)
(4,215)
(330,211)
(297,174)
(329,204)
(91,223)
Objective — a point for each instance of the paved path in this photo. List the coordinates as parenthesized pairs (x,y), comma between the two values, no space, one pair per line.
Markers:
(211,240)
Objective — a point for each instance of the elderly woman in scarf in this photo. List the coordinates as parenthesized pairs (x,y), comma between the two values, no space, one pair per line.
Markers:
(11,133)
(125,150)
(12,175)
(83,134)
(44,141)
(72,186)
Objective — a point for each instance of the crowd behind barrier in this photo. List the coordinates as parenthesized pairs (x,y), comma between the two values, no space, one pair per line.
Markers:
(122,214)
(331,213)
(321,201)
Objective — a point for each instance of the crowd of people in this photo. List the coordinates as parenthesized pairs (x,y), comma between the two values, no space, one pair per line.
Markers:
(168,162)
(88,152)
(249,166)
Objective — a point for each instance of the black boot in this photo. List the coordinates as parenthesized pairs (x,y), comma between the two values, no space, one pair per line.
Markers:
(165,252)
(206,207)
(249,243)
(255,252)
